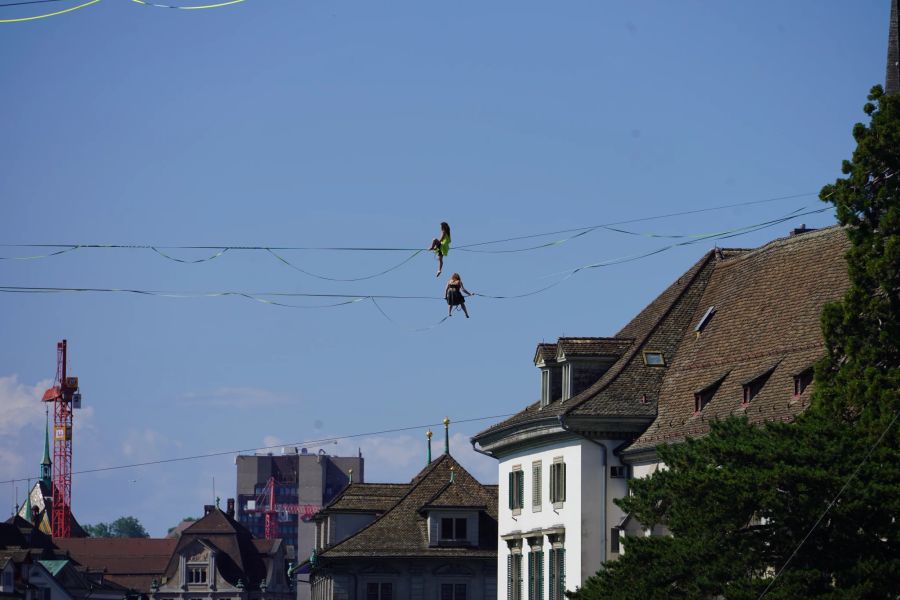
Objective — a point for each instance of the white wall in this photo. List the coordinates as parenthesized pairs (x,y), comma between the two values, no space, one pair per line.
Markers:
(581,515)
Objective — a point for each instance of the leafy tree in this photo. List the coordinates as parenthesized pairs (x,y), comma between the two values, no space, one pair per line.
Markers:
(744,503)
(126,527)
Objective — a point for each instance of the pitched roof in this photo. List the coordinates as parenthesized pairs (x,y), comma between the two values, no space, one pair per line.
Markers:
(665,317)
(402,531)
(366,497)
(130,562)
(768,305)
(591,346)
(545,353)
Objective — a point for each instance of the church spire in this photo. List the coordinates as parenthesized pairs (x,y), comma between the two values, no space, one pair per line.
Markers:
(892,77)
(45,463)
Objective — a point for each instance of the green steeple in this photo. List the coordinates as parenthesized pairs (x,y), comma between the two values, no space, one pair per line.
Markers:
(27,510)
(45,463)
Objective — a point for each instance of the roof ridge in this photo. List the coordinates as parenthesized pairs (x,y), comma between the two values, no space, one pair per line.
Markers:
(745,253)
(416,482)
(607,378)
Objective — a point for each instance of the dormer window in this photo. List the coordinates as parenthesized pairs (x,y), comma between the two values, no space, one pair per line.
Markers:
(454,529)
(196,575)
(704,396)
(752,387)
(802,381)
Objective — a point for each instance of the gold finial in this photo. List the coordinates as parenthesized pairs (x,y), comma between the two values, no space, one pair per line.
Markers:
(428,434)
(446,421)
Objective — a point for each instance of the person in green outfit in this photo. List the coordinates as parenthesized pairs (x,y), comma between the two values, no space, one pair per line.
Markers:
(441,246)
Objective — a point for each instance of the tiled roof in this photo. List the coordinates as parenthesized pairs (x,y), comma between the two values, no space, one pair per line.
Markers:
(592,346)
(402,530)
(366,497)
(617,393)
(545,353)
(768,304)
(120,556)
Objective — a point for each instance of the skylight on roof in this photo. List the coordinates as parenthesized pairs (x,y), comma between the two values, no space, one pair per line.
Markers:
(653,358)
(704,320)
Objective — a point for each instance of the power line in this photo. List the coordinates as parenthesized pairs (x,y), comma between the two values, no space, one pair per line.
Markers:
(245,450)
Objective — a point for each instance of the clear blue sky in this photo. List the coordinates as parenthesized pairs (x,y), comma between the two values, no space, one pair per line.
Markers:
(277,122)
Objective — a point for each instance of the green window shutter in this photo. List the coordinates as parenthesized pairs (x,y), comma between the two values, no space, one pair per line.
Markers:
(552,579)
(512,480)
(562,572)
(536,485)
(562,477)
(539,586)
(521,497)
(509,577)
(553,482)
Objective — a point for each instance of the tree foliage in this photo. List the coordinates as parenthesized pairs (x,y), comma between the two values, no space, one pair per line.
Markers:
(744,503)
(124,527)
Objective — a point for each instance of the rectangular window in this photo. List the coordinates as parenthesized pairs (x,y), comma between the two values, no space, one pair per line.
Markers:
(516,489)
(566,381)
(196,575)
(618,472)
(557,574)
(558,481)
(454,528)
(376,590)
(514,577)
(536,575)
(545,387)
(614,540)
(453,591)
(536,474)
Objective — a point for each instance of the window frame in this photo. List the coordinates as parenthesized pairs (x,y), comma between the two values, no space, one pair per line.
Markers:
(558,482)
(803,380)
(647,353)
(537,486)
(516,483)
(545,387)
(380,588)
(454,589)
(622,471)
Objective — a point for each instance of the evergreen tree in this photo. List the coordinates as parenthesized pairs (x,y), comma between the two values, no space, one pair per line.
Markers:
(129,527)
(744,503)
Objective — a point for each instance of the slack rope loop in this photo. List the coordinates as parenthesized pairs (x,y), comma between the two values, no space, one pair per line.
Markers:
(51,14)
(189,7)
(190,262)
(57,253)
(414,329)
(374,275)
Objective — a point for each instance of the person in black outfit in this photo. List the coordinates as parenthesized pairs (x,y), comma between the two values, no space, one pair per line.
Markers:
(454,294)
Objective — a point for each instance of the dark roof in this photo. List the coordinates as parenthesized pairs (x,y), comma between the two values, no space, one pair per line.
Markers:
(402,530)
(591,346)
(545,353)
(768,306)
(131,562)
(239,557)
(366,497)
(619,390)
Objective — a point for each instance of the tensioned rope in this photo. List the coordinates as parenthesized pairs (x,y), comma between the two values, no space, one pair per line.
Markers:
(73,8)
(245,450)
(354,298)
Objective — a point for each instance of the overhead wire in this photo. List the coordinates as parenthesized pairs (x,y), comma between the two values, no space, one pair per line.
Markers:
(51,14)
(354,298)
(245,450)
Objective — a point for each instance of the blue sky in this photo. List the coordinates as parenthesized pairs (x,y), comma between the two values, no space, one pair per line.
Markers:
(286,123)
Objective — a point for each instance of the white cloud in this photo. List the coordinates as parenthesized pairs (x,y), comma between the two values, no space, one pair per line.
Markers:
(21,427)
(270,441)
(238,397)
(142,445)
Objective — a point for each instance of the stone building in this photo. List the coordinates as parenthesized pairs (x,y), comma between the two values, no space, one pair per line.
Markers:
(434,537)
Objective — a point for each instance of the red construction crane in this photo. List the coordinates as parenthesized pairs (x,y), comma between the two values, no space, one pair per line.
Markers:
(265,504)
(65,397)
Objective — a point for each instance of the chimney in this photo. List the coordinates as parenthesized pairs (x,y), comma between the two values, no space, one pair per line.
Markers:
(801,230)
(230,507)
(207,508)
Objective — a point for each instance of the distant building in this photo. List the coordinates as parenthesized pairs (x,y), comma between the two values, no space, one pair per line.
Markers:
(37,508)
(433,538)
(213,559)
(303,483)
